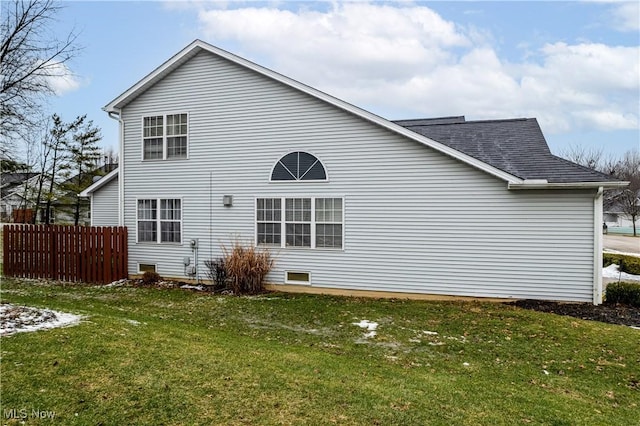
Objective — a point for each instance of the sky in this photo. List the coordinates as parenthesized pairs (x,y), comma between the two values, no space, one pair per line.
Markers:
(575,66)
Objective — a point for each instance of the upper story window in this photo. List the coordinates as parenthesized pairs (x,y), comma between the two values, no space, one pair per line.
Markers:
(164,137)
(297,166)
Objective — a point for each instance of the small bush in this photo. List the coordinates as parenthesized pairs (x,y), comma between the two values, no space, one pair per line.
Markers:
(609,258)
(628,264)
(217,273)
(150,277)
(623,292)
(246,268)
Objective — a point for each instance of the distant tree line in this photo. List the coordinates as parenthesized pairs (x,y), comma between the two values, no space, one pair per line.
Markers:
(59,158)
(625,169)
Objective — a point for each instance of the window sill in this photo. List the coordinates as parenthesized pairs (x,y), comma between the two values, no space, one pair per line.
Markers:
(160,160)
(156,244)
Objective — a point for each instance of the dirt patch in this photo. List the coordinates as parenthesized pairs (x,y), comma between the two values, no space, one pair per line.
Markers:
(612,314)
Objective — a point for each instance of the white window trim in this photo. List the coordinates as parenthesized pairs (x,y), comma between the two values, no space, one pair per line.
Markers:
(313,223)
(164,136)
(297,182)
(155,266)
(158,221)
(288,281)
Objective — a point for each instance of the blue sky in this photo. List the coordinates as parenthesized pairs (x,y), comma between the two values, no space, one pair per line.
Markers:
(575,66)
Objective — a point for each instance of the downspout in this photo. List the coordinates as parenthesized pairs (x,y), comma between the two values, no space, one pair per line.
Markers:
(597,247)
(118,116)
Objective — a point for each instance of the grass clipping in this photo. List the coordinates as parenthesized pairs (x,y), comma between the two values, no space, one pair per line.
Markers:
(246,267)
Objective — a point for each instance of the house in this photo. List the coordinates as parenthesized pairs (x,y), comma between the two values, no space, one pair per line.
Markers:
(19,194)
(215,148)
(15,191)
(615,215)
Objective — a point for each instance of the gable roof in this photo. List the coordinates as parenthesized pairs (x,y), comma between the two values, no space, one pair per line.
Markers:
(516,146)
(452,150)
(100,183)
(10,182)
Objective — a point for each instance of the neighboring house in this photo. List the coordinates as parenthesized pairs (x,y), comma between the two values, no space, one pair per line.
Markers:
(103,196)
(65,202)
(19,195)
(614,215)
(16,190)
(214,147)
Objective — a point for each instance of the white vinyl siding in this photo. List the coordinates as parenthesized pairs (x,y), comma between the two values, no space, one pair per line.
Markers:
(104,205)
(415,220)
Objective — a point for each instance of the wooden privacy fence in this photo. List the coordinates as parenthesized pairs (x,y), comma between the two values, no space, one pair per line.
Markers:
(92,254)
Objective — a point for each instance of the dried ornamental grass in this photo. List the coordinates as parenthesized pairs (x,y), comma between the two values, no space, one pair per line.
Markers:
(246,267)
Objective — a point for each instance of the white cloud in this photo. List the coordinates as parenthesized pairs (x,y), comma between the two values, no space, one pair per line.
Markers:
(406,61)
(61,79)
(626,16)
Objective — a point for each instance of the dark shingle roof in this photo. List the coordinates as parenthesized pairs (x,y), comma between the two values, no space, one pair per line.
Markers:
(10,181)
(515,146)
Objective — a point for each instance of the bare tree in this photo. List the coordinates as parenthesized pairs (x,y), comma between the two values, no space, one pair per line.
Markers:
(587,157)
(628,169)
(30,56)
(110,155)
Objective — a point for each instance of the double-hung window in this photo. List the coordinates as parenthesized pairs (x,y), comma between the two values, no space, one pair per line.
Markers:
(159,220)
(329,222)
(164,137)
(268,216)
(298,222)
(310,222)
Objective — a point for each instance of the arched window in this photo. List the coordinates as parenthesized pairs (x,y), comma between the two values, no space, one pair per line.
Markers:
(298,166)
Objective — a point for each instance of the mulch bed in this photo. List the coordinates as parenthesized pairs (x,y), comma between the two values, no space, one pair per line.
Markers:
(612,314)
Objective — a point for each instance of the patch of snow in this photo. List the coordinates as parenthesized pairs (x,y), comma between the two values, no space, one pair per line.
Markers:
(626,253)
(369,325)
(430,333)
(192,287)
(118,283)
(545,372)
(613,271)
(466,364)
(133,322)
(19,319)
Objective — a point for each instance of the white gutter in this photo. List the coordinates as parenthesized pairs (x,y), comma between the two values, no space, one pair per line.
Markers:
(597,247)
(543,184)
(118,116)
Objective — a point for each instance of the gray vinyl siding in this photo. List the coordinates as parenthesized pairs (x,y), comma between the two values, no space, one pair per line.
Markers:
(104,208)
(415,220)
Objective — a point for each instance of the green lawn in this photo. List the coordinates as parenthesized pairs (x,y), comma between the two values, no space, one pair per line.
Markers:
(169,356)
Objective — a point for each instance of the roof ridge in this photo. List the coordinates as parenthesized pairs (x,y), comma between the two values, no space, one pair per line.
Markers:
(501,120)
(448,117)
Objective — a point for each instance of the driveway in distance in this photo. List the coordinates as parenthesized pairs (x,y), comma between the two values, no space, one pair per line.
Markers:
(622,243)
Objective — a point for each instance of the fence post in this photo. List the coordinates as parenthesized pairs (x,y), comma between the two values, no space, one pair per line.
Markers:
(6,258)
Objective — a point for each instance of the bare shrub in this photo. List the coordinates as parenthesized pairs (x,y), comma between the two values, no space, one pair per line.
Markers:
(246,267)
(150,278)
(217,273)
